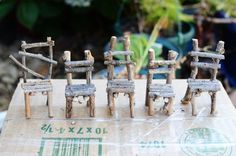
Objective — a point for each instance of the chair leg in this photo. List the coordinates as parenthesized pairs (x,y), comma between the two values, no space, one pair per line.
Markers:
(213,103)
(111,103)
(69,101)
(131,103)
(150,107)
(27,106)
(194,109)
(92,105)
(49,103)
(187,97)
(170,106)
(89,102)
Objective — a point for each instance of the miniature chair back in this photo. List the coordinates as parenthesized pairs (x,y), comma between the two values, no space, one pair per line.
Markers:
(116,86)
(211,85)
(87,91)
(44,85)
(154,91)
(110,62)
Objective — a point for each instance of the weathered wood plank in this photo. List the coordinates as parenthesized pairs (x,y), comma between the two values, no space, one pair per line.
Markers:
(78,70)
(38,56)
(203,85)
(70,64)
(205,65)
(206,54)
(162,62)
(118,62)
(160,71)
(39,44)
(113,53)
(26,69)
(121,86)
(80,90)
(119,82)
(160,94)
(37,86)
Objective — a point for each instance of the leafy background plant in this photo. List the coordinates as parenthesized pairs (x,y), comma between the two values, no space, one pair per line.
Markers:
(153,10)
(141,43)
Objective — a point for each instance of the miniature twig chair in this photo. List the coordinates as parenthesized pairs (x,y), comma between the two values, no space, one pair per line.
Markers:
(197,86)
(116,86)
(154,91)
(87,91)
(45,85)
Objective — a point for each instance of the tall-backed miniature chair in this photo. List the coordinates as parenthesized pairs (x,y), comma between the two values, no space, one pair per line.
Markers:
(197,86)
(44,85)
(87,91)
(116,86)
(153,90)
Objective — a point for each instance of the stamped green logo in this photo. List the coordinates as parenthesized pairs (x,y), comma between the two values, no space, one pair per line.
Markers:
(205,142)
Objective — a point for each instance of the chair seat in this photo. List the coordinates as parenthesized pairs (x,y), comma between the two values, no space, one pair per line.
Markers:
(37,86)
(203,85)
(80,90)
(120,86)
(161,90)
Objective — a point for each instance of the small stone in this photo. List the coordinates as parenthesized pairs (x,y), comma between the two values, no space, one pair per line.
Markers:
(73,123)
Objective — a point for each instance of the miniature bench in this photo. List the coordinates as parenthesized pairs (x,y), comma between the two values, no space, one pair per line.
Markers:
(197,86)
(154,91)
(116,86)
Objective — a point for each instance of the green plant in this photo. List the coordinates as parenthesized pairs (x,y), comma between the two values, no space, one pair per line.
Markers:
(229,6)
(153,10)
(29,11)
(140,44)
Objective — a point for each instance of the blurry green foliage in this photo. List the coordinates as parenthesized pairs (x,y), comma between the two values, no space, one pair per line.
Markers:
(140,45)
(228,6)
(56,16)
(153,10)
(27,13)
(5,7)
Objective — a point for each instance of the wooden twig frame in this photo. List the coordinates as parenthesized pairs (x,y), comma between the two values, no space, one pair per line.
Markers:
(197,86)
(75,90)
(116,86)
(154,91)
(43,86)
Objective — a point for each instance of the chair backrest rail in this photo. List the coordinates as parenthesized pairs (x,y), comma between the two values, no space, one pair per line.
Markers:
(207,55)
(156,63)
(160,71)
(205,65)
(78,70)
(113,53)
(36,45)
(38,56)
(118,62)
(71,64)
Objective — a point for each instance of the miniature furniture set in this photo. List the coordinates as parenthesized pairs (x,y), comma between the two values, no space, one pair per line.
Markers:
(126,86)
